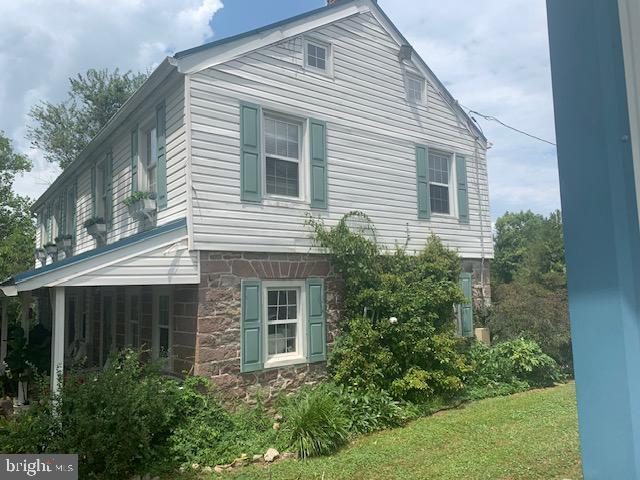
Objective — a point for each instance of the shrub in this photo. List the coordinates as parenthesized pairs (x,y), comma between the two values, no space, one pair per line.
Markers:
(414,357)
(372,410)
(315,422)
(508,367)
(530,363)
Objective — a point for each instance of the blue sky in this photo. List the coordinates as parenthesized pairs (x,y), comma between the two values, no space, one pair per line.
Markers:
(492,56)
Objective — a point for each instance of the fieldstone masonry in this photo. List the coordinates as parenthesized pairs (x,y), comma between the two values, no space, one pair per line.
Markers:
(481,283)
(218,335)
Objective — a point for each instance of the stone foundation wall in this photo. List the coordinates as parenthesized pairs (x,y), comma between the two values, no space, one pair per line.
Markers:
(218,319)
(481,292)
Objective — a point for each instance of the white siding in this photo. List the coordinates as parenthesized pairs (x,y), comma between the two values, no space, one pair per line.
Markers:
(120,144)
(371,134)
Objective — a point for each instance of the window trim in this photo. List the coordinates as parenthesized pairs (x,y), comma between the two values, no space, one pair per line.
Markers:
(302,155)
(423,89)
(285,359)
(453,197)
(142,179)
(159,291)
(328,70)
(130,293)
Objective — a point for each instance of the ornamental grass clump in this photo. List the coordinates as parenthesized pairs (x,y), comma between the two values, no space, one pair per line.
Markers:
(315,422)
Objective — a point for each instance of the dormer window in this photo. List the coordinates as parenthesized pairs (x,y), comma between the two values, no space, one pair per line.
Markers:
(415,89)
(317,56)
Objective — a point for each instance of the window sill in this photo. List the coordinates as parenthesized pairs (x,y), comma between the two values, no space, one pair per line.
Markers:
(283,361)
(287,202)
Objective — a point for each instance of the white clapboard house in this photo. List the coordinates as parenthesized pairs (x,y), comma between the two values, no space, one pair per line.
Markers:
(181,226)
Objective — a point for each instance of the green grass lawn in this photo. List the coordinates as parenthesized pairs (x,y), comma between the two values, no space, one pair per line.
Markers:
(532,435)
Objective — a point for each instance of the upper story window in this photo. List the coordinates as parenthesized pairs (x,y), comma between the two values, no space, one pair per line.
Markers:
(440,188)
(151,160)
(317,56)
(415,89)
(101,189)
(282,156)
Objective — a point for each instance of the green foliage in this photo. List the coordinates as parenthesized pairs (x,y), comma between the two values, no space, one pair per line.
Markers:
(315,422)
(529,284)
(508,367)
(530,363)
(63,130)
(93,221)
(414,358)
(134,197)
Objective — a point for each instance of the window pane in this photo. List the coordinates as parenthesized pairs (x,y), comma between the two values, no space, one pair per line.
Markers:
(438,168)
(273,313)
(282,177)
(439,198)
(281,138)
(282,305)
(272,297)
(316,56)
(164,342)
(281,338)
(163,310)
(135,336)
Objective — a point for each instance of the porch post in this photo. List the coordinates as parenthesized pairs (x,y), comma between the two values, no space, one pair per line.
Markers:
(25,300)
(601,229)
(57,338)
(4,329)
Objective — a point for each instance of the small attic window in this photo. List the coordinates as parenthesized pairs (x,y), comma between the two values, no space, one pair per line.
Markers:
(415,89)
(317,56)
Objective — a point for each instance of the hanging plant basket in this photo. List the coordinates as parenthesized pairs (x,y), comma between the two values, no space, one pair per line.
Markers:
(64,242)
(41,255)
(96,227)
(141,205)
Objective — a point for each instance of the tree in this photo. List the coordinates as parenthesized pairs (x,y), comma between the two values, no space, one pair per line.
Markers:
(530,291)
(17,232)
(63,130)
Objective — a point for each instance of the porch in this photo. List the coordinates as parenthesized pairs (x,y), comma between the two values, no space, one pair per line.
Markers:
(140,292)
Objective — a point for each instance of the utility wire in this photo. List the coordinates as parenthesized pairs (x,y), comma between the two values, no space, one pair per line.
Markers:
(491,118)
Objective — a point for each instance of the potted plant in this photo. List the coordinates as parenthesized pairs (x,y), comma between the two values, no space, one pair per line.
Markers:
(483,313)
(141,204)
(96,226)
(63,242)
(41,255)
(51,249)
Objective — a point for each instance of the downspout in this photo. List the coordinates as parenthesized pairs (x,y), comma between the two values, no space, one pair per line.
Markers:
(482,253)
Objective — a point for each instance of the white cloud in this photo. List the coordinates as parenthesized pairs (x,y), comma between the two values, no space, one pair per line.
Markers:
(43,42)
(493,56)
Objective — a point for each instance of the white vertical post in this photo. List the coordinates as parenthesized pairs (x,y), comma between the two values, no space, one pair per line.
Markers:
(25,300)
(4,329)
(57,338)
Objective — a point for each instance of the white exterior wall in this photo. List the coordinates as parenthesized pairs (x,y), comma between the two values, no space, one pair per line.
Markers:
(120,144)
(371,135)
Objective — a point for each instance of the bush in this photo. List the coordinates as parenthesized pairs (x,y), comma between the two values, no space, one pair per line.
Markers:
(508,367)
(372,410)
(315,422)
(414,357)
(530,363)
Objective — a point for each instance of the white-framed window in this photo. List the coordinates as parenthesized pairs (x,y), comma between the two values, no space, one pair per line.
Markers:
(285,316)
(162,322)
(101,189)
(317,56)
(441,183)
(70,213)
(133,317)
(415,88)
(150,156)
(282,158)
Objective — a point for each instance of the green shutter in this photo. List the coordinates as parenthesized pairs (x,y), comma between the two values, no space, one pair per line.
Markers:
(318,164)
(466,309)
(74,215)
(251,326)
(250,163)
(463,191)
(422,171)
(62,202)
(134,161)
(108,186)
(93,191)
(316,324)
(161,168)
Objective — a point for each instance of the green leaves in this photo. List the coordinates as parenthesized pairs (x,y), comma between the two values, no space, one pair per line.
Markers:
(63,130)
